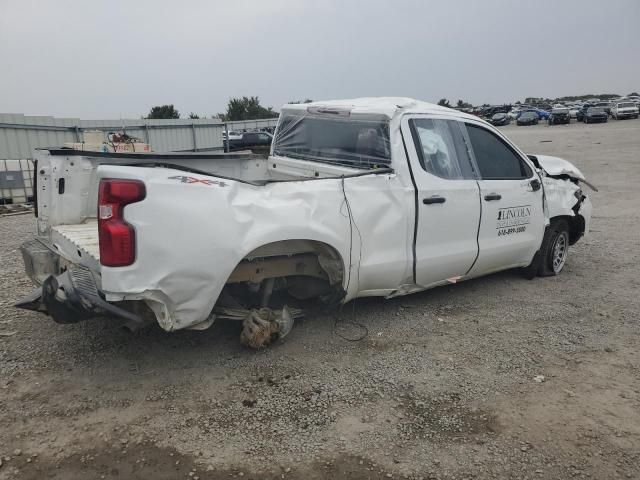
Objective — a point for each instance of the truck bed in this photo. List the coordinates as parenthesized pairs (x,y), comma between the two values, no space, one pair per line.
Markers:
(78,242)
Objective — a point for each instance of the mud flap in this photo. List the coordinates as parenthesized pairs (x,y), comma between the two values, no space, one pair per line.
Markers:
(72,297)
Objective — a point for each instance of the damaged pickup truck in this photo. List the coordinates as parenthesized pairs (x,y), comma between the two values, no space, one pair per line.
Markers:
(365,197)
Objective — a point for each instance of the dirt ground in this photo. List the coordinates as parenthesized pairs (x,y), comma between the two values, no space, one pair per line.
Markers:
(442,386)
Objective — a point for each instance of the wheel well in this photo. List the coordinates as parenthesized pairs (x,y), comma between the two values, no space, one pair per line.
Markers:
(329,260)
(576,226)
(303,268)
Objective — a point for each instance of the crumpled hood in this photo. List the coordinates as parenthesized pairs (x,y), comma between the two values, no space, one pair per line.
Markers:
(554,166)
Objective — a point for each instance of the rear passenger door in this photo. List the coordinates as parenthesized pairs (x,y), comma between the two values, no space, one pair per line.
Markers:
(448,201)
(512,224)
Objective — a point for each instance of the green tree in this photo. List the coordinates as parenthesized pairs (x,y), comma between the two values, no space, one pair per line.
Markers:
(306,100)
(194,116)
(463,104)
(246,108)
(163,111)
(443,102)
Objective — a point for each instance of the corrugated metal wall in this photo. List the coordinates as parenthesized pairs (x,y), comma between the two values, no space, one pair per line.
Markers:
(20,135)
(243,125)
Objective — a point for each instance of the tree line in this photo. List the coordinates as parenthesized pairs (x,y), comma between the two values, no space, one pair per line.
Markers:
(241,108)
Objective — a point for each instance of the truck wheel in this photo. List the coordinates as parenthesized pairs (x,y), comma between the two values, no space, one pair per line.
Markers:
(554,249)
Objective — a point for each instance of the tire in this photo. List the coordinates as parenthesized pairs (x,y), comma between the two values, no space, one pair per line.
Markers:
(554,249)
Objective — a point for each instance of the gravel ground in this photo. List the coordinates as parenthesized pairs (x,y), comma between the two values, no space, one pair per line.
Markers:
(445,385)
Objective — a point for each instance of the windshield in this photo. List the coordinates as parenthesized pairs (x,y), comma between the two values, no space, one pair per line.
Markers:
(626,104)
(595,110)
(340,141)
(529,115)
(498,116)
(560,110)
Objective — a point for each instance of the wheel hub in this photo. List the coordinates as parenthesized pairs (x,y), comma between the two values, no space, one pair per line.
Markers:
(560,249)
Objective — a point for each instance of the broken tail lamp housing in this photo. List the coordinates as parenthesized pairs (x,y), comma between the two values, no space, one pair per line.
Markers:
(116,237)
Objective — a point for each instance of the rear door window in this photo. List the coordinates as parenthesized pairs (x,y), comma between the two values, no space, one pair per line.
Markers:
(495,159)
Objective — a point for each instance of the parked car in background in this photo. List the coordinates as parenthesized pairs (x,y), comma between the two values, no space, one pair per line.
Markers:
(232,135)
(606,106)
(583,110)
(596,115)
(500,119)
(559,116)
(542,114)
(250,140)
(529,117)
(514,113)
(624,110)
(573,111)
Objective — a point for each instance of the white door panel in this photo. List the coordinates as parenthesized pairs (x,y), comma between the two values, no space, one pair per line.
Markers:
(512,224)
(446,245)
(448,200)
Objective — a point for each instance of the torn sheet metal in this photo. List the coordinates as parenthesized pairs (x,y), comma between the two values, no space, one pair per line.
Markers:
(565,198)
(187,249)
(556,167)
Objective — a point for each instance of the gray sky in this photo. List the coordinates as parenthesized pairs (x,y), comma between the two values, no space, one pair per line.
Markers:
(117,58)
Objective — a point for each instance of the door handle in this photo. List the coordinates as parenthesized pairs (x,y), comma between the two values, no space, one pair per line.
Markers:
(535,184)
(433,199)
(492,196)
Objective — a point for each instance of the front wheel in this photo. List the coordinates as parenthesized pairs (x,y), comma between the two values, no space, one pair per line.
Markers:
(554,249)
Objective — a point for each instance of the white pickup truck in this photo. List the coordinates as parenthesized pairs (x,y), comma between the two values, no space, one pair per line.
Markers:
(365,197)
(622,110)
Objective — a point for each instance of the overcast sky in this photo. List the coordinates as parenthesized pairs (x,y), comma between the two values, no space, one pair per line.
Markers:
(117,58)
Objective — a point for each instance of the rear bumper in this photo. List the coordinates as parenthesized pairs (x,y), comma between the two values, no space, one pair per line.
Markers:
(68,297)
(40,260)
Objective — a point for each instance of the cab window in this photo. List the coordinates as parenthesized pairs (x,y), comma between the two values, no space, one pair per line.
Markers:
(441,149)
(495,159)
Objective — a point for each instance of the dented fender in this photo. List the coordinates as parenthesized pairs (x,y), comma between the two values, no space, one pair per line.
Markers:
(563,191)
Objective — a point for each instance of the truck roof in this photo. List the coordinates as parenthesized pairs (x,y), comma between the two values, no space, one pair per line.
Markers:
(376,106)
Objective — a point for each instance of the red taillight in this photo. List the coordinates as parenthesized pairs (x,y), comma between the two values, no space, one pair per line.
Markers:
(117,238)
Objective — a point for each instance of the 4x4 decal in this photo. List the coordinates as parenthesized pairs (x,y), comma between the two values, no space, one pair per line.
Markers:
(191,180)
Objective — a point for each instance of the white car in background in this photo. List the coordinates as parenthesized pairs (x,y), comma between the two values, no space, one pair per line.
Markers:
(622,110)
(573,111)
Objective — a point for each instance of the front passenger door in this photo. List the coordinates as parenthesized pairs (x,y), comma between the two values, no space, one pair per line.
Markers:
(512,224)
